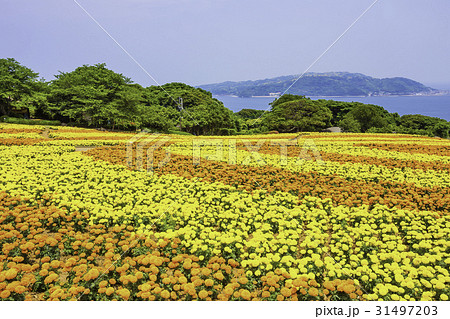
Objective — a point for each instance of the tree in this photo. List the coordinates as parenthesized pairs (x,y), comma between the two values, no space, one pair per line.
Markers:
(301,114)
(250,114)
(367,116)
(17,83)
(93,95)
(199,113)
(158,118)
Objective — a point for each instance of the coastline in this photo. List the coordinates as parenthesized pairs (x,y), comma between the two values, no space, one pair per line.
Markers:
(341,96)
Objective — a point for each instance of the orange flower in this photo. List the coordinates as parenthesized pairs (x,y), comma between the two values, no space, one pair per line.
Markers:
(11,274)
(265,294)
(219,276)
(245,294)
(285,292)
(20,290)
(313,292)
(165,294)
(109,291)
(203,294)
(124,293)
(209,282)
(243,280)
(349,289)
(206,272)
(55,264)
(198,282)
(51,278)
(5,294)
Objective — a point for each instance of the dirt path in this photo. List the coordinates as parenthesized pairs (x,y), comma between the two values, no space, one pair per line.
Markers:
(46,133)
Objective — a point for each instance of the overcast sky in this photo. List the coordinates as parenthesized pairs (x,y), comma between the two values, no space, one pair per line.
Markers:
(208,41)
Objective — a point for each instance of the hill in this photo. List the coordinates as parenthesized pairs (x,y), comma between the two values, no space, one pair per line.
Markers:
(322,84)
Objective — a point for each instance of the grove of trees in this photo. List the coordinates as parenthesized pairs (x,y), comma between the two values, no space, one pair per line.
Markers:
(94,96)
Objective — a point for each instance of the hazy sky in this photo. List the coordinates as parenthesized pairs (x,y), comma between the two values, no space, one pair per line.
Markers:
(207,41)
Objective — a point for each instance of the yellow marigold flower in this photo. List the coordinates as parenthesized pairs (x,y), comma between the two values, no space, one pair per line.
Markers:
(444,297)
(209,282)
(383,291)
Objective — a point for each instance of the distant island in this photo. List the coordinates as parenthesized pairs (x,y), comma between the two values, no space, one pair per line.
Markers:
(331,84)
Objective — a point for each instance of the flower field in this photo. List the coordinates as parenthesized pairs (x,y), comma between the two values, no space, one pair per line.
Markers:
(271,217)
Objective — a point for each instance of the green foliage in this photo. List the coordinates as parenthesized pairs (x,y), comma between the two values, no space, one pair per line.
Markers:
(367,116)
(424,125)
(295,115)
(97,96)
(350,124)
(249,114)
(93,95)
(14,120)
(18,85)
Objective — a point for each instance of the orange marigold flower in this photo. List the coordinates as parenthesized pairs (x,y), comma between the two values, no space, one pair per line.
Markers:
(55,264)
(219,276)
(203,294)
(243,280)
(198,282)
(11,274)
(20,289)
(265,294)
(280,297)
(45,259)
(245,294)
(209,282)
(109,291)
(145,287)
(165,294)
(349,289)
(286,292)
(124,293)
(206,272)
(313,292)
(5,294)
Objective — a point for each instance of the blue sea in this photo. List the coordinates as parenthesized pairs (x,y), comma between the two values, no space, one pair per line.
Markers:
(436,106)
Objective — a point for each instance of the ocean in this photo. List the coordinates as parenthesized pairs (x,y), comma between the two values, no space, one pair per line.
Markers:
(436,106)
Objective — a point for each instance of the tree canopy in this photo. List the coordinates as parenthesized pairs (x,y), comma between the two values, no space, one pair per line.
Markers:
(19,86)
(294,115)
(93,96)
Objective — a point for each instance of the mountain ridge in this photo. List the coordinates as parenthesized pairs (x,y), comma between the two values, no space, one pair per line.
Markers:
(322,84)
